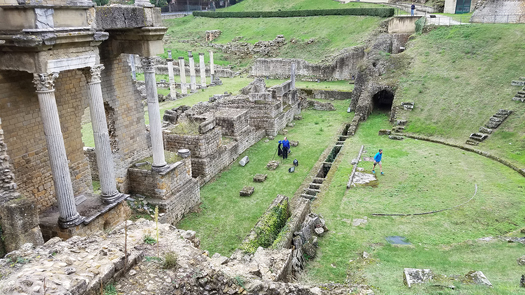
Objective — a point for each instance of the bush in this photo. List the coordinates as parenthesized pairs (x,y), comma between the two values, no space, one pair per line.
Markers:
(370,11)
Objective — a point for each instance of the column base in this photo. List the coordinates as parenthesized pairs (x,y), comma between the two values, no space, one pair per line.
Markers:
(110,199)
(73,221)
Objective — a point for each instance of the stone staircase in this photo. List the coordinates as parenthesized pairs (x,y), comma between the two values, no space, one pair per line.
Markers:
(485,131)
(520,96)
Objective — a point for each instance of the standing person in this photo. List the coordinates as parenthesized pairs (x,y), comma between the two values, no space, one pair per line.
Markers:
(286,147)
(412,9)
(377,160)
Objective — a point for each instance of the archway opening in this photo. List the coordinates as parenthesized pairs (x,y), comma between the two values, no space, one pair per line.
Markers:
(382,100)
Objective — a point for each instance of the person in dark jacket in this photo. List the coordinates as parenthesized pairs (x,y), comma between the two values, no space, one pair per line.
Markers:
(286,147)
(412,9)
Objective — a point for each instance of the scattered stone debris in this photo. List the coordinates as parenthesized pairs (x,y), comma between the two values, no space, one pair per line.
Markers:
(384,132)
(363,178)
(317,105)
(245,160)
(477,277)
(247,191)
(291,124)
(396,137)
(260,177)
(401,122)
(272,165)
(521,260)
(398,128)
(413,276)
(297,117)
(294,143)
(407,105)
(360,221)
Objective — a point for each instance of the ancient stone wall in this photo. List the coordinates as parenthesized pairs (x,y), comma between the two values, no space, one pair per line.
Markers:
(155,184)
(91,156)
(125,114)
(343,67)
(7,178)
(200,145)
(181,203)
(24,133)
(324,94)
(492,11)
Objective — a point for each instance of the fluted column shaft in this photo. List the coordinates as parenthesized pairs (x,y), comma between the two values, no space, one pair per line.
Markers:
(212,66)
(173,93)
(202,67)
(155,126)
(193,82)
(68,215)
(183,85)
(106,166)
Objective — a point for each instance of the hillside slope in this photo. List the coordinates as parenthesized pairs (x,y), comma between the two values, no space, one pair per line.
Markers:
(459,77)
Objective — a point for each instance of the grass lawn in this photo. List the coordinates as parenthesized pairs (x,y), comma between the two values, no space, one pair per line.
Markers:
(459,77)
(330,33)
(225,218)
(420,177)
(272,5)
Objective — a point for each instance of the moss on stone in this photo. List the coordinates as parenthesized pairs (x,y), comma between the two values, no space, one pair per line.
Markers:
(268,228)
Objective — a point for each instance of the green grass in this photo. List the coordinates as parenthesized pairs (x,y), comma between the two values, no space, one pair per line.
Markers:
(225,218)
(272,5)
(459,77)
(325,85)
(419,177)
(331,34)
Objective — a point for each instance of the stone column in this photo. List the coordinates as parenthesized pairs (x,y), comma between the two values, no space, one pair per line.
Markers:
(182,68)
(292,77)
(202,67)
(212,66)
(193,82)
(173,93)
(155,126)
(106,167)
(45,89)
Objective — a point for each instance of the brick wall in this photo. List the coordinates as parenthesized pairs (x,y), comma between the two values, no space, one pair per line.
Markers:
(200,145)
(181,203)
(129,139)
(24,134)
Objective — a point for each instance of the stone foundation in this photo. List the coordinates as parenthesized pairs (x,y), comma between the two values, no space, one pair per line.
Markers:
(99,217)
(324,94)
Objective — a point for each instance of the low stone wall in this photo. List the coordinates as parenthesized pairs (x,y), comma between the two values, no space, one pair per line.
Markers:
(162,184)
(90,154)
(200,145)
(403,24)
(182,202)
(324,94)
(344,67)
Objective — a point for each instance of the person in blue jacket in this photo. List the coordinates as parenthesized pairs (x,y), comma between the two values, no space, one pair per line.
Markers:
(286,147)
(377,160)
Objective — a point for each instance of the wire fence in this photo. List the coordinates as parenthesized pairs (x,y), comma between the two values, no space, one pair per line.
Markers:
(499,18)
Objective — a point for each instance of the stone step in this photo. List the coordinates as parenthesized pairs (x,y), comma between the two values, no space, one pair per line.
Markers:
(340,143)
(478,136)
(309,197)
(312,192)
(471,142)
(522,92)
(318,180)
(518,99)
(485,130)
(315,186)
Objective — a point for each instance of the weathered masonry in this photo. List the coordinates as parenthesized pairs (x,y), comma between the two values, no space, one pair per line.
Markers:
(58,58)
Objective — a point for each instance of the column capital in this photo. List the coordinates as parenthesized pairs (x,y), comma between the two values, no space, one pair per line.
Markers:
(45,82)
(148,64)
(93,73)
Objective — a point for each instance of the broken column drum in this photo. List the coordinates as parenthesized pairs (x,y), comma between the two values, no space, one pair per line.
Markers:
(155,126)
(45,85)
(212,66)
(202,68)
(173,93)
(193,79)
(101,135)
(183,85)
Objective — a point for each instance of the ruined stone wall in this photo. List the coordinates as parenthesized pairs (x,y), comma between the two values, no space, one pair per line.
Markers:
(493,11)
(343,67)
(324,94)
(125,114)
(7,178)
(200,145)
(24,133)
(91,156)
(181,203)
(153,184)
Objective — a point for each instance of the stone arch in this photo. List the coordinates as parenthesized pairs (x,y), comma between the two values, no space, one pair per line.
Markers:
(383,100)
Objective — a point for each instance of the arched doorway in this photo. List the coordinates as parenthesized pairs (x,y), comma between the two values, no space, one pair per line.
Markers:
(382,100)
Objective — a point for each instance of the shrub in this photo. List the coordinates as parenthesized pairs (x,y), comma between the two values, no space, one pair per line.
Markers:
(369,11)
(149,240)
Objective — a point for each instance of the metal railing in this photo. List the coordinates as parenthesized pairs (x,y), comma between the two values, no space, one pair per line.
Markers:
(499,18)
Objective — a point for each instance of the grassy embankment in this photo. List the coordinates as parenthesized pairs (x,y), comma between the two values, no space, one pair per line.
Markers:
(225,218)
(420,177)
(330,34)
(459,77)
